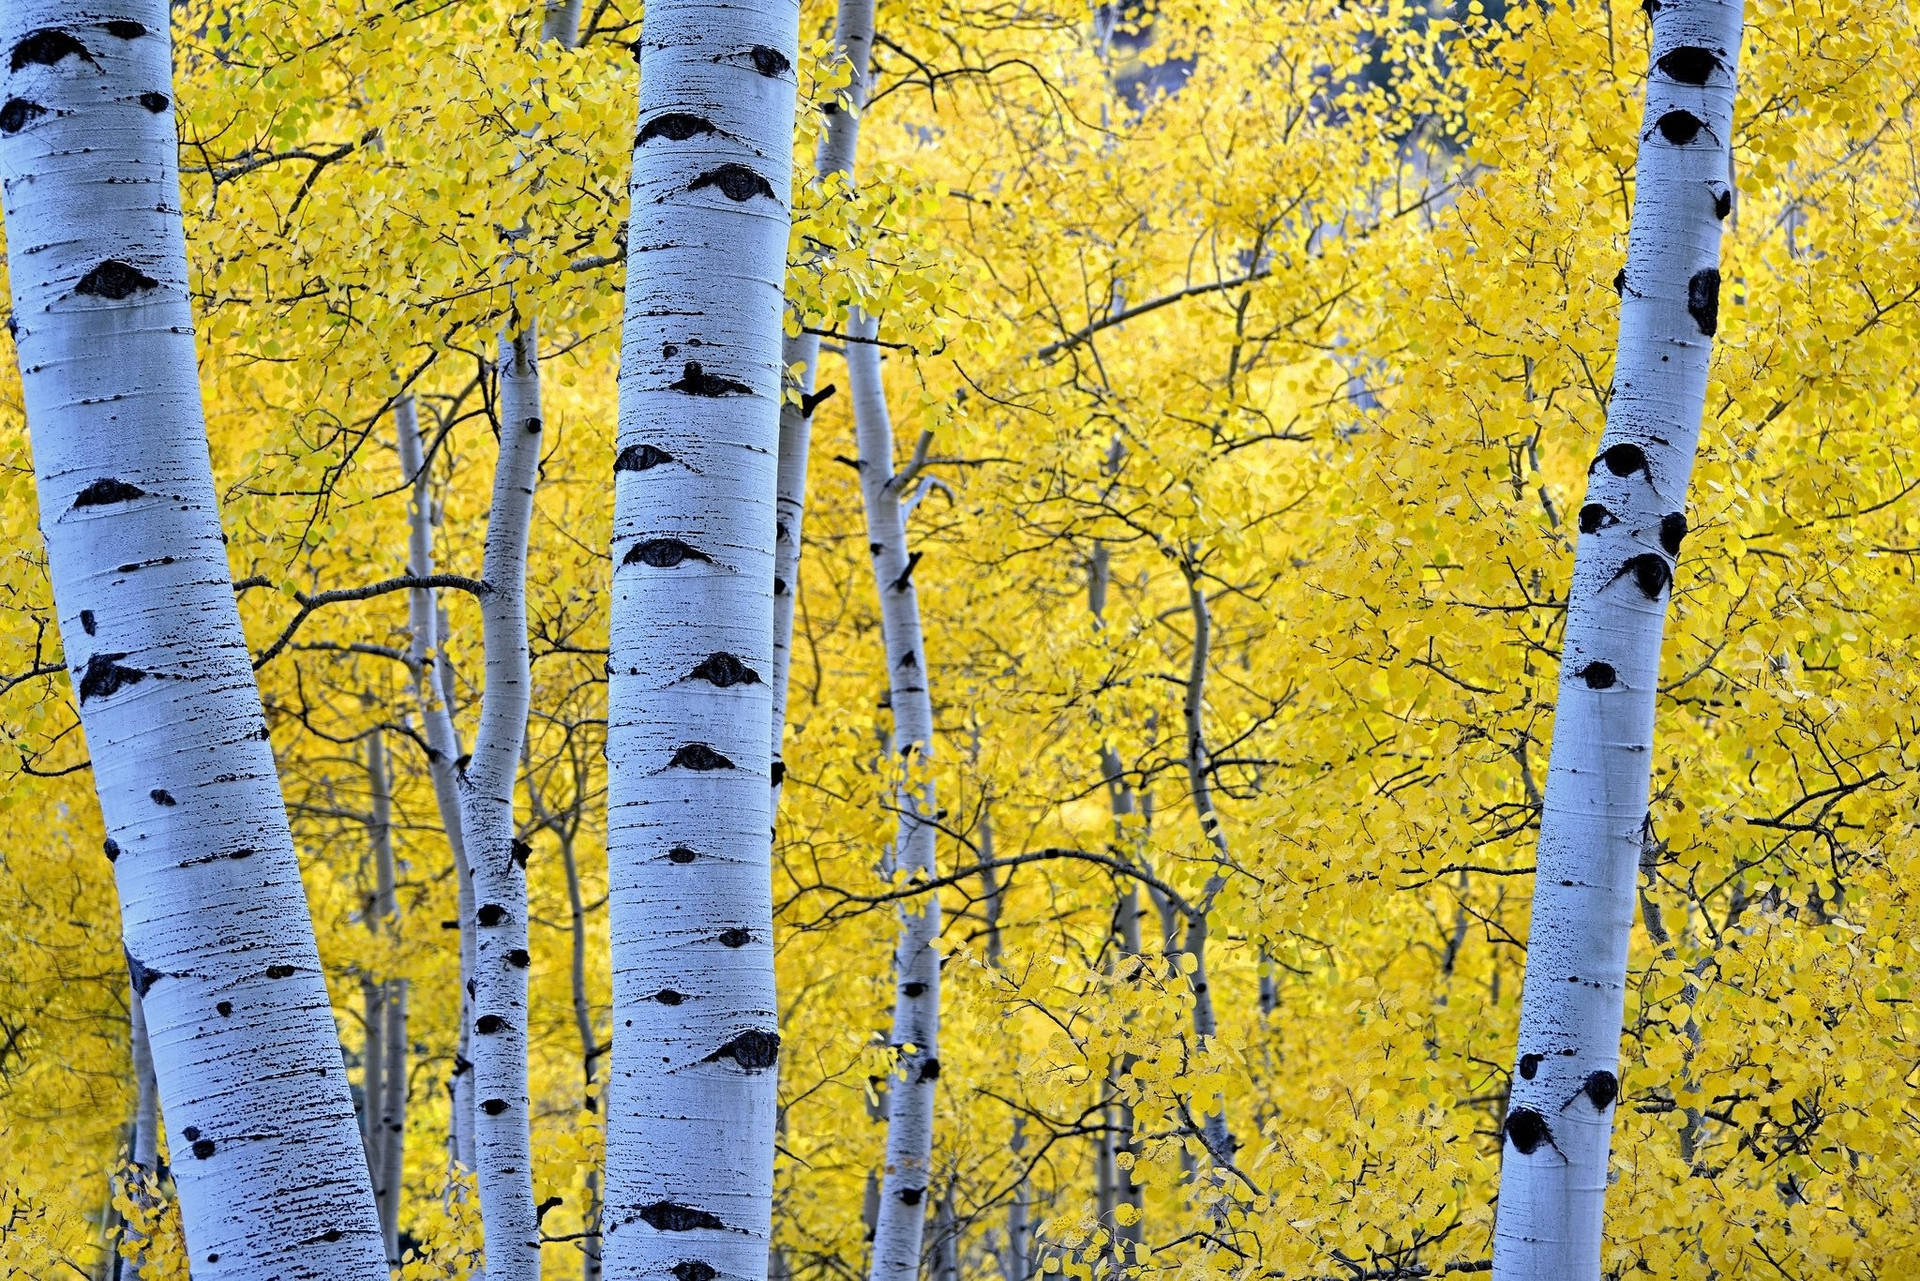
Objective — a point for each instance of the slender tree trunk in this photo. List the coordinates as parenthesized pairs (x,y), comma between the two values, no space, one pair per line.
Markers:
(800,359)
(1214,1132)
(145,1149)
(386,1082)
(503,1153)
(916,1011)
(219,943)
(692,1098)
(389,1180)
(1016,1263)
(1565,1084)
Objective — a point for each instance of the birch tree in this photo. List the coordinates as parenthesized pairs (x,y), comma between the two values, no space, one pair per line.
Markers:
(691,1092)
(1559,1120)
(271,1177)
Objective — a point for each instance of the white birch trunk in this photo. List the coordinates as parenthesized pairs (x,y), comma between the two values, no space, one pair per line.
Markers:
(692,1102)
(916,1011)
(496,858)
(852,40)
(268,1161)
(386,1101)
(1565,1085)
(443,750)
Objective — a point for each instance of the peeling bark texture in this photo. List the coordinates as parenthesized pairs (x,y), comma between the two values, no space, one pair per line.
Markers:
(1554,1171)
(503,1151)
(852,40)
(430,678)
(272,1182)
(916,1010)
(692,1100)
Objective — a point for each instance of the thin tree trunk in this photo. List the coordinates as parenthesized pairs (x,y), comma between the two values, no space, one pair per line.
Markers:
(503,1153)
(1214,1132)
(145,1149)
(916,1011)
(1016,1263)
(386,1085)
(219,942)
(692,1098)
(852,40)
(1559,1123)
(389,1180)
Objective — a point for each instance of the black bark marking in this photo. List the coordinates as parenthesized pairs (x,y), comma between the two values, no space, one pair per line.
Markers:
(18,114)
(769,62)
(1650,574)
(694,1270)
(676,126)
(735,937)
(640,458)
(1526,1129)
(107,490)
(914,989)
(1624,460)
(736,182)
(1679,127)
(143,977)
(225,1009)
(125,28)
(681,854)
(753,1050)
(1673,528)
(46,48)
(696,381)
(551,1203)
(1529,1064)
(779,773)
(779,587)
(874,549)
(700,757)
(664,553)
(519,959)
(203,1148)
(724,669)
(908,660)
(281,971)
(669,1216)
(930,1070)
(1689,64)
(905,580)
(1598,675)
(1620,281)
(134,566)
(1601,1089)
(114,279)
(533,426)
(494,1107)
(1595,517)
(1703,299)
(520,851)
(1723,202)
(667,996)
(812,400)
(104,676)
(112,849)
(87,624)
(491,914)
(911,1196)
(155,102)
(162,797)
(488,1024)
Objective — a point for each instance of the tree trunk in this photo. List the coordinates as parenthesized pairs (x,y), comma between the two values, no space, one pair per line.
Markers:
(852,40)
(916,1011)
(503,1153)
(145,1149)
(1213,1128)
(219,943)
(386,1088)
(1565,1084)
(692,1099)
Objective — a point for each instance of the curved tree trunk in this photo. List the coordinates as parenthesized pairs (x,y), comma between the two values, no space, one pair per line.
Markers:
(268,1162)
(692,1101)
(503,1153)
(1560,1119)
(916,1010)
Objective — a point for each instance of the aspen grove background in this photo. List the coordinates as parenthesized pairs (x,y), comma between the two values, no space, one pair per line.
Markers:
(1246,363)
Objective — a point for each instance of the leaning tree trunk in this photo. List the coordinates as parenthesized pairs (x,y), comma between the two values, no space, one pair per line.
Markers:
(800,359)
(267,1158)
(1560,1118)
(496,858)
(916,1010)
(691,1095)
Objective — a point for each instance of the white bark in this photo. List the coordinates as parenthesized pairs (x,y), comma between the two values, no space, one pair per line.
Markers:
(430,679)
(853,41)
(1565,1085)
(1213,1128)
(916,1010)
(496,858)
(692,1101)
(385,1091)
(145,1151)
(267,1157)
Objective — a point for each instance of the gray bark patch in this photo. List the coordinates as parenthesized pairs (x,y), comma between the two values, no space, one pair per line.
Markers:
(107,490)
(46,48)
(18,113)
(104,676)
(114,279)
(736,182)
(162,797)
(675,126)
(143,977)
(670,1216)
(1703,299)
